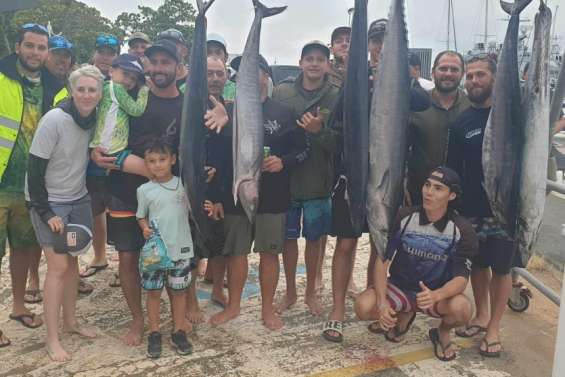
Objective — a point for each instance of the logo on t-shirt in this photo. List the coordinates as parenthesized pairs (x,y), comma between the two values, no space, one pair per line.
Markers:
(473,133)
(272,126)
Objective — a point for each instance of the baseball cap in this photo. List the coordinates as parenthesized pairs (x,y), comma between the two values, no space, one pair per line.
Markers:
(340,30)
(130,63)
(262,64)
(108,40)
(448,177)
(138,35)
(377,28)
(58,42)
(315,45)
(163,45)
(75,240)
(172,35)
(214,37)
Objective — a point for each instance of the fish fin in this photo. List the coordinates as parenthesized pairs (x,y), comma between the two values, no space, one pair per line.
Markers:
(516,7)
(385,183)
(203,5)
(268,12)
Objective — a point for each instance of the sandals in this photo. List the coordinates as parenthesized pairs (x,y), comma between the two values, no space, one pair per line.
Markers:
(4,341)
(470,331)
(84,288)
(21,319)
(434,337)
(486,352)
(375,328)
(92,270)
(33,296)
(397,334)
(335,326)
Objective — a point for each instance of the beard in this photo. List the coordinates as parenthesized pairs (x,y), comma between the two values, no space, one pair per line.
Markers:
(445,86)
(164,82)
(479,96)
(27,66)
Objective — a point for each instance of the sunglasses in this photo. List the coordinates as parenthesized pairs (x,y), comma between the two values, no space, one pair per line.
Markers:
(107,40)
(480,56)
(36,27)
(60,43)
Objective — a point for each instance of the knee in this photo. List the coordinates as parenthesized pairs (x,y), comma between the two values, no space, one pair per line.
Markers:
(460,309)
(364,306)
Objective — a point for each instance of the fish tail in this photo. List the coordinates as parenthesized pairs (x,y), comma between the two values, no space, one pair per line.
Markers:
(516,7)
(203,5)
(267,12)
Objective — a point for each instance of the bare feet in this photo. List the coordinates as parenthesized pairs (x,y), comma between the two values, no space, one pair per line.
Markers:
(56,352)
(219,299)
(223,316)
(135,332)
(271,320)
(313,304)
(202,265)
(286,303)
(82,331)
(195,315)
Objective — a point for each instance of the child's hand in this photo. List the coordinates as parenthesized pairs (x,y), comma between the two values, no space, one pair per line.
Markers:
(147,232)
(208,207)
(214,211)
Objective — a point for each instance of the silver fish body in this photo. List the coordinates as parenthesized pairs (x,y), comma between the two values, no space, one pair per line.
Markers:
(388,129)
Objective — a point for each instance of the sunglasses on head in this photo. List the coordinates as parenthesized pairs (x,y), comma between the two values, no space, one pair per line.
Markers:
(480,56)
(60,44)
(107,40)
(36,27)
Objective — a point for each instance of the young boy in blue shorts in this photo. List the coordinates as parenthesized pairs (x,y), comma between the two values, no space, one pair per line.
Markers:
(163,201)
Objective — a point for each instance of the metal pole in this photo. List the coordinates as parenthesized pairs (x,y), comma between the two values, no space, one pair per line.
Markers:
(486,23)
(453,24)
(448,23)
(559,362)
(547,292)
(557,187)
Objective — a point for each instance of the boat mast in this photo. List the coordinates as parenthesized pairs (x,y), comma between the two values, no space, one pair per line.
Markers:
(448,24)
(486,22)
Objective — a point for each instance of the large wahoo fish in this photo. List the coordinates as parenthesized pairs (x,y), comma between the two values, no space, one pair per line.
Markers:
(388,129)
(248,127)
(355,119)
(536,105)
(503,137)
(192,148)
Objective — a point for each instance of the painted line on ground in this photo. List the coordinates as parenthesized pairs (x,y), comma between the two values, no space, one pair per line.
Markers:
(378,364)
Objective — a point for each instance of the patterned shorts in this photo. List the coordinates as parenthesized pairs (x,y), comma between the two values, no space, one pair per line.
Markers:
(178,278)
(15,223)
(405,302)
(316,216)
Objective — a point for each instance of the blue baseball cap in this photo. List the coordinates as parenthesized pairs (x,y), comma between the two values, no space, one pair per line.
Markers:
(58,42)
(130,63)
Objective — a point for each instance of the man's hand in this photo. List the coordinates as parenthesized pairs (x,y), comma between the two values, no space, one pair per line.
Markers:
(218,212)
(56,224)
(210,173)
(427,298)
(217,117)
(105,162)
(310,123)
(387,316)
(272,164)
(147,232)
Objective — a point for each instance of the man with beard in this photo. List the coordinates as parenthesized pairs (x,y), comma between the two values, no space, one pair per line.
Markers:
(496,250)
(60,59)
(26,93)
(107,48)
(428,130)
(183,50)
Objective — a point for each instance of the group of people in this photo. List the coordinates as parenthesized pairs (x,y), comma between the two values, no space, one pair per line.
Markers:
(96,146)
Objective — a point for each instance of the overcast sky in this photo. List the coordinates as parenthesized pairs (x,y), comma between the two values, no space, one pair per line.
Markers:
(305,20)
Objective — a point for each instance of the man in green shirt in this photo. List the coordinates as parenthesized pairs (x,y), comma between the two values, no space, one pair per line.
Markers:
(26,93)
(429,129)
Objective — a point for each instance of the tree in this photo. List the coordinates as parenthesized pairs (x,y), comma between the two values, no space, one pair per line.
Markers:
(77,21)
(178,14)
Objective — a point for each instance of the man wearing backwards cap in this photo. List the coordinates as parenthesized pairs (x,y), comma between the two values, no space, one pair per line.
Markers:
(429,259)
(312,97)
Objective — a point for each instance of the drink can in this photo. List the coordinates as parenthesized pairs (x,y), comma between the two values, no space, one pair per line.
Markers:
(266,152)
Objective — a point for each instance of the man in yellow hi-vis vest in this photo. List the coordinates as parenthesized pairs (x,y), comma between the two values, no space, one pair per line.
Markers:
(26,93)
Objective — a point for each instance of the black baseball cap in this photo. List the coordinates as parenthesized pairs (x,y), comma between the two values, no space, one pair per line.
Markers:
(163,45)
(340,30)
(315,45)
(130,63)
(448,177)
(377,28)
(263,64)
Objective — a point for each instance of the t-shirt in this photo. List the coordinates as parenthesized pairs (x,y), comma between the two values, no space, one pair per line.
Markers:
(465,153)
(112,124)
(433,253)
(162,117)
(14,177)
(61,141)
(167,205)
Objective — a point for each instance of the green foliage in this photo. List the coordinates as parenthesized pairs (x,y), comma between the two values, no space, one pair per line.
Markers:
(178,14)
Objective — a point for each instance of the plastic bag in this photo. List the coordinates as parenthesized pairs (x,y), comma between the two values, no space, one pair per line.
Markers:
(154,255)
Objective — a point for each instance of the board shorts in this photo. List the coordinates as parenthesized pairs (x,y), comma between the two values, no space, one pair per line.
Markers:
(496,250)
(267,234)
(177,278)
(15,223)
(341,218)
(316,216)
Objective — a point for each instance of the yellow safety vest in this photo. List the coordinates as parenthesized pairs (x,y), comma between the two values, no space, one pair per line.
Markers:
(62,95)
(11,113)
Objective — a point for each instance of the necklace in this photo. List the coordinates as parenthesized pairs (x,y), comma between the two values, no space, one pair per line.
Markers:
(168,188)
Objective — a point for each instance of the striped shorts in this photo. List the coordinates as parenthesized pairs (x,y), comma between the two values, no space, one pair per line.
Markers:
(405,301)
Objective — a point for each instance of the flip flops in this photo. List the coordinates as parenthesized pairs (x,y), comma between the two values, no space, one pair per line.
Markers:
(470,331)
(4,341)
(486,352)
(84,288)
(92,270)
(375,328)
(335,326)
(434,337)
(33,296)
(397,335)
(21,319)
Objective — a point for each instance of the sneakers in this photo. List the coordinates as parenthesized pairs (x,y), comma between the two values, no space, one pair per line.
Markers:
(154,345)
(180,343)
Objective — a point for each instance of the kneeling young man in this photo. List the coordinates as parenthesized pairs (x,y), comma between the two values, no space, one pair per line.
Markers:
(428,257)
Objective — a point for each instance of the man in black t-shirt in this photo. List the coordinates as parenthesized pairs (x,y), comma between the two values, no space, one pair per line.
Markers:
(428,258)
(285,147)
(496,249)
